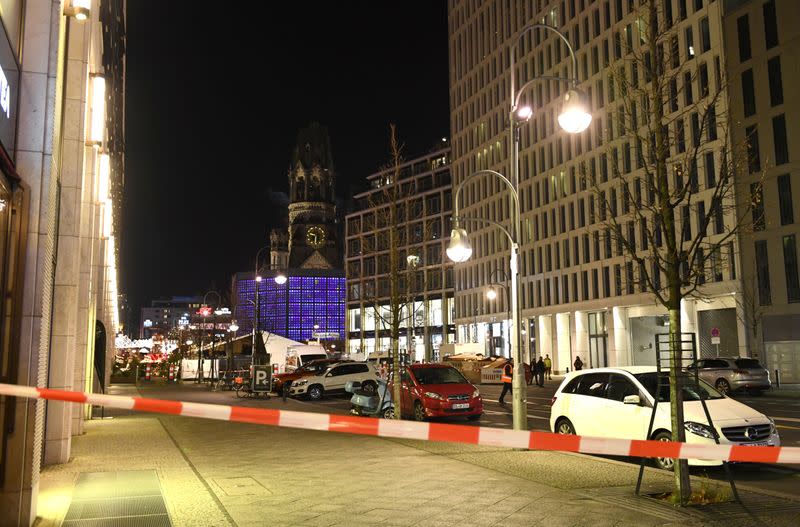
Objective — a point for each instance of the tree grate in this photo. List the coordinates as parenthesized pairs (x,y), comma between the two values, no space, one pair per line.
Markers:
(120,499)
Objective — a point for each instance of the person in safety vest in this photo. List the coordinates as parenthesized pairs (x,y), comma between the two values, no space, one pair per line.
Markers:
(505,377)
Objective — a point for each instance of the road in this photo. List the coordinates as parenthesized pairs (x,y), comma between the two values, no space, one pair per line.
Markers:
(784,410)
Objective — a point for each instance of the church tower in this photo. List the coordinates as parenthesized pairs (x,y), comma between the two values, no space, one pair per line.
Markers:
(313,240)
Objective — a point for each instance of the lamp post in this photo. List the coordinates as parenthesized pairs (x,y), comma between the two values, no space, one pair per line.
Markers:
(205,312)
(574,117)
(491,294)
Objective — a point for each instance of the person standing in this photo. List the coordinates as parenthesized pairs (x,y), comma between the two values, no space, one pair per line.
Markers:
(506,377)
(540,372)
(578,363)
(548,365)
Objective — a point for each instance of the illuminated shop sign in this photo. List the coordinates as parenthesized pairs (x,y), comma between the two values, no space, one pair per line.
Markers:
(9,88)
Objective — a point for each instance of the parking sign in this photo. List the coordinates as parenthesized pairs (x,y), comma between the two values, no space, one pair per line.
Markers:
(261,378)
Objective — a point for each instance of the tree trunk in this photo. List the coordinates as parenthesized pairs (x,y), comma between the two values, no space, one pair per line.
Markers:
(682,483)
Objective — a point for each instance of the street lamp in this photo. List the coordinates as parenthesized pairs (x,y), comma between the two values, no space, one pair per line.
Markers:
(206,311)
(491,294)
(573,117)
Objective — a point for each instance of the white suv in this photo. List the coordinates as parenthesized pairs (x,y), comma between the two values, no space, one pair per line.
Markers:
(333,380)
(618,402)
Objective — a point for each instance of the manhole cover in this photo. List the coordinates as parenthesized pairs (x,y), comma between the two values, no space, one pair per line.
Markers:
(242,486)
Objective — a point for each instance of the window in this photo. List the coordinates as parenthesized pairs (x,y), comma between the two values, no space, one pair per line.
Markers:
(619,387)
(743,31)
(790,267)
(775,81)
(770,24)
(705,36)
(757,204)
(748,93)
(711,177)
(762,271)
(703,79)
(779,137)
(689,43)
(687,88)
(785,198)
(753,157)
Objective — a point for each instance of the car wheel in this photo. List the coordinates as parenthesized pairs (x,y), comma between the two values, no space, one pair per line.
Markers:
(369,387)
(419,412)
(665,463)
(723,386)
(315,392)
(564,426)
(388,413)
(474,417)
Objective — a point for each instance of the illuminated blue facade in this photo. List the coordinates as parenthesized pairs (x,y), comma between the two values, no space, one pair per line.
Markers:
(310,297)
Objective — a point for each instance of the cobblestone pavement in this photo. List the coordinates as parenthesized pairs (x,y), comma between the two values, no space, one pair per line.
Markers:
(220,473)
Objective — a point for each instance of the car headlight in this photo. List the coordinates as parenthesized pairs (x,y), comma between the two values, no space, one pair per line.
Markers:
(300,383)
(433,395)
(476,393)
(699,429)
(772,429)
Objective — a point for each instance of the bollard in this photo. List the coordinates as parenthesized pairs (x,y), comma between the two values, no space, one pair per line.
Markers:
(777,378)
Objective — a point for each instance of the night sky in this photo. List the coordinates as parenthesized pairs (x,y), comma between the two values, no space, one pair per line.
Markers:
(214,102)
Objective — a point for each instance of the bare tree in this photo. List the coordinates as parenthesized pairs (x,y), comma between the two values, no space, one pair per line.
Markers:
(674,229)
(400,261)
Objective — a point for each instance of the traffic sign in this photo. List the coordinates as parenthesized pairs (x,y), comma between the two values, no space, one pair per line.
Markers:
(715,332)
(261,378)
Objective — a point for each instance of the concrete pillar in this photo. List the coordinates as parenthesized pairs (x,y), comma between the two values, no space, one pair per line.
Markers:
(619,337)
(545,340)
(580,345)
(564,342)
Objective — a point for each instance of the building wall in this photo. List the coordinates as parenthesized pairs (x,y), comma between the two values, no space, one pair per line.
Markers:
(422,233)
(567,272)
(770,289)
(70,260)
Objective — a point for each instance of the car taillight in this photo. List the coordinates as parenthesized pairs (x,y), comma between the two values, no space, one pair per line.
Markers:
(553,400)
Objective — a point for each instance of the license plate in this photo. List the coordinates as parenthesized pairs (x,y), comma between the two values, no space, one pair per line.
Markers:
(758,443)
(459,406)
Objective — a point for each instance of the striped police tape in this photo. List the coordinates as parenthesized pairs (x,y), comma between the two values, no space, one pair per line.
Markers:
(420,430)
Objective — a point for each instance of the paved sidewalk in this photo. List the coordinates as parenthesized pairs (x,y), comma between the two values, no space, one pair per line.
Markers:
(220,473)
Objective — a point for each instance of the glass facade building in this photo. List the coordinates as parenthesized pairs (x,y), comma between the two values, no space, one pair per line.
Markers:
(311,300)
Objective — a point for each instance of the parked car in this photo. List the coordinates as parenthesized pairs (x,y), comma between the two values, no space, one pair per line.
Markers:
(730,374)
(618,402)
(334,378)
(315,367)
(439,390)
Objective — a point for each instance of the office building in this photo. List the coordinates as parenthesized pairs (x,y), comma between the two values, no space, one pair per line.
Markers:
(579,294)
(62,110)
(423,189)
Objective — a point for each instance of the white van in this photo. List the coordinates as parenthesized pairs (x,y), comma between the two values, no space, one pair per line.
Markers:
(287,355)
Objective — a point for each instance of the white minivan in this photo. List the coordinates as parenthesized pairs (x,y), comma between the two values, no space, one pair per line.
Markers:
(618,402)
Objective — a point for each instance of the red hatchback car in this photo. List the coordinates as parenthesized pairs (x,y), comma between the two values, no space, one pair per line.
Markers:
(439,390)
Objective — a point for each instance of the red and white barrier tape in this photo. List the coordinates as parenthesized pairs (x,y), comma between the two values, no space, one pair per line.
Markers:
(419,430)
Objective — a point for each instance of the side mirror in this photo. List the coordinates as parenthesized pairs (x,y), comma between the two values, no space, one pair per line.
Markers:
(632,399)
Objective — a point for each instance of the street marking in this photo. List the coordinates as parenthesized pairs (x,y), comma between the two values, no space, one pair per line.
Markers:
(790,419)
(788,427)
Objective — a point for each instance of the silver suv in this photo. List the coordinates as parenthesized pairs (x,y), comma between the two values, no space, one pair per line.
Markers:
(335,378)
(730,374)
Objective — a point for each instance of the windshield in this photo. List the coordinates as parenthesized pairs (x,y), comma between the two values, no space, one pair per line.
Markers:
(308,358)
(690,392)
(439,376)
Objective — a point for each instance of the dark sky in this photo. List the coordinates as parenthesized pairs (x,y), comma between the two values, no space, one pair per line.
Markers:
(214,102)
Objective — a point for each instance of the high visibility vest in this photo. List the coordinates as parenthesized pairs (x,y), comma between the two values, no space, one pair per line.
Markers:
(506,375)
